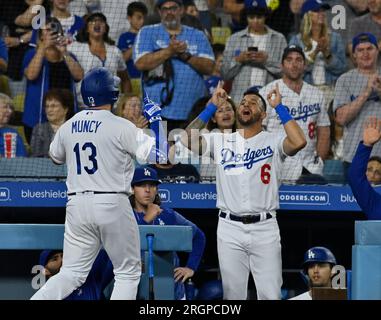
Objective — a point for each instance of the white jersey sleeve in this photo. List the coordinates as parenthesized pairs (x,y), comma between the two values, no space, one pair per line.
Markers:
(57,149)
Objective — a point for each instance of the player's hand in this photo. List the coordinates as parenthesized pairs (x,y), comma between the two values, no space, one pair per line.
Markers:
(274,97)
(151,110)
(219,95)
(153,210)
(372,131)
(183,273)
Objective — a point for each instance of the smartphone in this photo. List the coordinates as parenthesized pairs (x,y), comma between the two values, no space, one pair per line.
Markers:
(252,49)
(56,27)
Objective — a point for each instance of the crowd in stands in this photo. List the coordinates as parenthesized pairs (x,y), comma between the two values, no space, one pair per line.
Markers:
(177,51)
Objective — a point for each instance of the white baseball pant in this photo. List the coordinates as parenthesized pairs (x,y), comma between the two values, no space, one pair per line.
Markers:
(250,247)
(93,221)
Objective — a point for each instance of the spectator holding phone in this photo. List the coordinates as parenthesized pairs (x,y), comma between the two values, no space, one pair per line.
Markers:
(252,56)
(47,66)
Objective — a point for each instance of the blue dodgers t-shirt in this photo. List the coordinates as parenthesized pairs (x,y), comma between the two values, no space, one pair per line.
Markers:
(125,42)
(189,85)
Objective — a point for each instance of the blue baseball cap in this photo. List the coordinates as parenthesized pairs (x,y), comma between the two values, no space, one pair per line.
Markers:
(145,174)
(364,37)
(46,255)
(314,5)
(258,7)
(159,3)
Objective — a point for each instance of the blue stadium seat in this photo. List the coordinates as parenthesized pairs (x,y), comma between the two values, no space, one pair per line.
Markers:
(333,171)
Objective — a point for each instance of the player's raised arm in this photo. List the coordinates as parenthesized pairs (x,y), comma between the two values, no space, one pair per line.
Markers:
(191,138)
(152,112)
(295,140)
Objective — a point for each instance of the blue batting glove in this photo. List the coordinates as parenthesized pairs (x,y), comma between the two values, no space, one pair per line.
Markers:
(151,110)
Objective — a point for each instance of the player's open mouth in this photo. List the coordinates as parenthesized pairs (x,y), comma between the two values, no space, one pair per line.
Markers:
(97,29)
(246,113)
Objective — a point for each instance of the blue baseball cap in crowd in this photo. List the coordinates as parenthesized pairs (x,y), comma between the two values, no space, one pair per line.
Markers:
(45,255)
(258,7)
(145,174)
(159,3)
(364,37)
(314,5)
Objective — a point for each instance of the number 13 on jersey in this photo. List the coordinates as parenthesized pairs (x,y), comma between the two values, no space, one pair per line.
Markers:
(92,157)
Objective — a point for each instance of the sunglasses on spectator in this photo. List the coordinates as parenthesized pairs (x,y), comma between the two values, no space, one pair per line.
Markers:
(169,9)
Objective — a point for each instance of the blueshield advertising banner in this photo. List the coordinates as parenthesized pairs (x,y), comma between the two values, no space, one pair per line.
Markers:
(200,196)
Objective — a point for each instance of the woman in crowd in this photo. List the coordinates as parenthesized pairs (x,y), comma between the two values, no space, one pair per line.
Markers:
(96,49)
(324,49)
(130,108)
(11,144)
(59,104)
(48,66)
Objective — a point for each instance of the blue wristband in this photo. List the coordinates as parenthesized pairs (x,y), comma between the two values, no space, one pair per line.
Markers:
(283,113)
(208,112)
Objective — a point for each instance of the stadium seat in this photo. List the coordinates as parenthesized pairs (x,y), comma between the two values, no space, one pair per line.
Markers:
(220,34)
(333,171)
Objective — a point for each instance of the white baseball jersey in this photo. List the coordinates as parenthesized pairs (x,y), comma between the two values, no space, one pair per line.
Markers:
(98,148)
(308,109)
(248,171)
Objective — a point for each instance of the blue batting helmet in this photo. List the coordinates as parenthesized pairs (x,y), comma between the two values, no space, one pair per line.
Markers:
(318,255)
(211,290)
(99,87)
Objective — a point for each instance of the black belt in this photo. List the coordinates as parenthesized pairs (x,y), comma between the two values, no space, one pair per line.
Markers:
(245,219)
(95,192)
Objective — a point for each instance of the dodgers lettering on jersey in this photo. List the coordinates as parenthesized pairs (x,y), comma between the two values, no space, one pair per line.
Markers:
(308,109)
(85,126)
(247,171)
(303,112)
(230,159)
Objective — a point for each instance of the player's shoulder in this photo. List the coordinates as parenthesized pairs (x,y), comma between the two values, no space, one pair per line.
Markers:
(271,85)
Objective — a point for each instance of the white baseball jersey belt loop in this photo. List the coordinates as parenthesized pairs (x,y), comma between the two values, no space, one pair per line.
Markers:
(246,219)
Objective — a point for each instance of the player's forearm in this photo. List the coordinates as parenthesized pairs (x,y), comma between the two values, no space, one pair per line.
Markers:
(349,111)
(191,138)
(323,142)
(202,65)
(151,60)
(296,139)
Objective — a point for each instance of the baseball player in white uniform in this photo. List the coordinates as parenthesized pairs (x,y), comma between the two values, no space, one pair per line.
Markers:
(307,106)
(249,165)
(98,148)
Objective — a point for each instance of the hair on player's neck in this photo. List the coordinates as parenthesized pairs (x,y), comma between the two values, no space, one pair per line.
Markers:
(103,107)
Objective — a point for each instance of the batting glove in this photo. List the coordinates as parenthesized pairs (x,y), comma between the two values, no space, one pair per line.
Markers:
(151,110)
